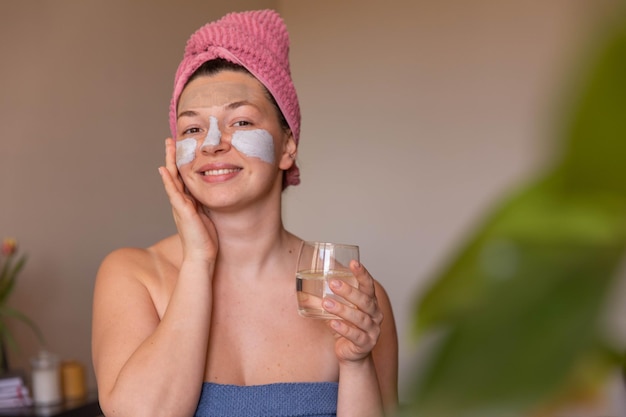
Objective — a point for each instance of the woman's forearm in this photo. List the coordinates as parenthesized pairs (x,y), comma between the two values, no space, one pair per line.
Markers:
(359,391)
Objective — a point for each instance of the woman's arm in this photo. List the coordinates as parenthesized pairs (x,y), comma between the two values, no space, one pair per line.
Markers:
(146,363)
(366,347)
(385,354)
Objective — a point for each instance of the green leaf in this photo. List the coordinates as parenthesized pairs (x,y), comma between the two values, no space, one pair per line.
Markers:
(517,309)
(9,277)
(6,311)
(517,345)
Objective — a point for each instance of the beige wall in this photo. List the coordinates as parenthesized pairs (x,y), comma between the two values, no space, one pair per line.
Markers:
(416,116)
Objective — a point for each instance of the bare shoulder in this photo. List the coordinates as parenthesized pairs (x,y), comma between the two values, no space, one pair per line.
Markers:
(127,260)
(139,263)
(140,273)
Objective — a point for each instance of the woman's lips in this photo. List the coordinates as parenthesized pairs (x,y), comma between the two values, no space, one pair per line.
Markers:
(218,172)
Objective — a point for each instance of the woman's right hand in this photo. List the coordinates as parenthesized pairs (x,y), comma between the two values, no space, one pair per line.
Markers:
(197,231)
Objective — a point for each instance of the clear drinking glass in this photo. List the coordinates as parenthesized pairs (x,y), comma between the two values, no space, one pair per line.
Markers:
(318,262)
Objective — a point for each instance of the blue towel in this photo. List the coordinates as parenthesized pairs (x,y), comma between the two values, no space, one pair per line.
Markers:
(293,399)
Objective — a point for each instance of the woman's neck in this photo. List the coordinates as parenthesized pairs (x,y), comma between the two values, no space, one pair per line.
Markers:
(252,239)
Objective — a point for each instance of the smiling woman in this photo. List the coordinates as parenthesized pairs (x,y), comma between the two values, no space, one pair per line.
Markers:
(223,110)
(219,64)
(215,304)
(257,143)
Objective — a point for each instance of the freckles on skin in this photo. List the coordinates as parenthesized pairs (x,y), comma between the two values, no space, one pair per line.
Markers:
(185,151)
(257,143)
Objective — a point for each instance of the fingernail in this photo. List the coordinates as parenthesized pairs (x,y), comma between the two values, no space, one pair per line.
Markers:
(335,283)
(328,303)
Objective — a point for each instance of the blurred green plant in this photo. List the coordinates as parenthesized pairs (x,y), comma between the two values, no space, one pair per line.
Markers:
(518,313)
(11,267)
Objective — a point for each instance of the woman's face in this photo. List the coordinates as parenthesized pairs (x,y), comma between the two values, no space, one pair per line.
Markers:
(230,145)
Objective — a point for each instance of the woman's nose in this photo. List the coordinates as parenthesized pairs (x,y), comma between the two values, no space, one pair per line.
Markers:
(214,142)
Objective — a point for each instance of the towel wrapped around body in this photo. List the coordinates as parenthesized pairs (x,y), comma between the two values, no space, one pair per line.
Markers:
(292,399)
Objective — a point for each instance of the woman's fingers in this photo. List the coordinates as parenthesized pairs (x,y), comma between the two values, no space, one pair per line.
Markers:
(170,163)
(363,297)
(361,325)
(172,181)
(197,231)
(363,277)
(177,200)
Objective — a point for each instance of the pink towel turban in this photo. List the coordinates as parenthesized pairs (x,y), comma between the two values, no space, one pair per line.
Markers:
(258,41)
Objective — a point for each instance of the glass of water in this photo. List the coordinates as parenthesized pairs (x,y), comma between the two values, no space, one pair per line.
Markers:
(319,262)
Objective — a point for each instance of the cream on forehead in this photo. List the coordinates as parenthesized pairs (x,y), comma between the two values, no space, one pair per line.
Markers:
(213,93)
(185,151)
(257,143)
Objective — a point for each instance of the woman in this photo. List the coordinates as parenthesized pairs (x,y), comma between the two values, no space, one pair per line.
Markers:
(204,322)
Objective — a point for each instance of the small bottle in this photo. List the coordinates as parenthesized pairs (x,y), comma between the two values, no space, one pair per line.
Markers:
(46,379)
(73,380)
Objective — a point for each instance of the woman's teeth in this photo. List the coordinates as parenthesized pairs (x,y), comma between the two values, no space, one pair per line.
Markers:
(220,171)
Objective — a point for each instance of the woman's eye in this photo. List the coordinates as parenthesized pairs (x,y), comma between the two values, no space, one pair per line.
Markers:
(242,123)
(191,131)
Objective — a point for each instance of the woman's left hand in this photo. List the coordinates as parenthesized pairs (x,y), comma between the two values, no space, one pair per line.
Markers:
(360,328)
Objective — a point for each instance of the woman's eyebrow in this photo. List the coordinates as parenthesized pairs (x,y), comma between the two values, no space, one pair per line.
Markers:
(230,106)
(187,113)
(237,104)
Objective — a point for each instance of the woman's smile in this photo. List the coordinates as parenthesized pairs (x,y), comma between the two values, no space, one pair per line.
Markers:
(218,172)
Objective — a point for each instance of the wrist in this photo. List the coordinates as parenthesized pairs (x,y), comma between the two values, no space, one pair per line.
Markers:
(197,263)
(357,364)
(196,255)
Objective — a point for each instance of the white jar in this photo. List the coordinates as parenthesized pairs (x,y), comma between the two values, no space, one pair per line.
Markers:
(46,379)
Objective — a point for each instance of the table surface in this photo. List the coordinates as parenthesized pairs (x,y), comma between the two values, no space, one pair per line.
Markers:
(87,407)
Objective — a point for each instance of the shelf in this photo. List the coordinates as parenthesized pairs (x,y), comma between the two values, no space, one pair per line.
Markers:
(87,407)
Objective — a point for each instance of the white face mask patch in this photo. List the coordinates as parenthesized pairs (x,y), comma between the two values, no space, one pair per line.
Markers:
(214,135)
(185,151)
(257,143)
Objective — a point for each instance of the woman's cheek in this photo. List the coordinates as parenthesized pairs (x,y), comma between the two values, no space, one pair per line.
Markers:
(257,143)
(185,151)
